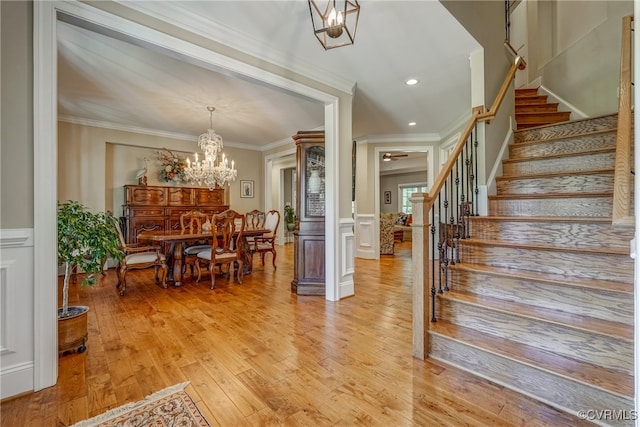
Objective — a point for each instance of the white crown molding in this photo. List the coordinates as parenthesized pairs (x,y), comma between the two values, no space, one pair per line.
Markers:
(172,12)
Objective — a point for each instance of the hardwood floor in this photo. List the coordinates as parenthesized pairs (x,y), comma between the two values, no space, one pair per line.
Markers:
(257,355)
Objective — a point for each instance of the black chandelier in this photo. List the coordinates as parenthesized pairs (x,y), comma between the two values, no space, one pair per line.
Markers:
(336,23)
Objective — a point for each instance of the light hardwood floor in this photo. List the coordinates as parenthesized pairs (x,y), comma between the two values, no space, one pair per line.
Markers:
(255,355)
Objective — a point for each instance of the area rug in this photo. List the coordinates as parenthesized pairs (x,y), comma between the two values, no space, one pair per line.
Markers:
(169,407)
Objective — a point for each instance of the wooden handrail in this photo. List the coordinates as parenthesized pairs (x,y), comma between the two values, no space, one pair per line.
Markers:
(478,115)
(623,182)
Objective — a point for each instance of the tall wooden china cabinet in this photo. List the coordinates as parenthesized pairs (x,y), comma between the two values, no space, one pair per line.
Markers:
(308,237)
(158,208)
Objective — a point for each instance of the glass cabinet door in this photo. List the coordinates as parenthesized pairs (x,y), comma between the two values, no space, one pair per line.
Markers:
(314,178)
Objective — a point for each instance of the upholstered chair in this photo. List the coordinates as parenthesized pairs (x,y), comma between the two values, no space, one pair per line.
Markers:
(192,222)
(137,256)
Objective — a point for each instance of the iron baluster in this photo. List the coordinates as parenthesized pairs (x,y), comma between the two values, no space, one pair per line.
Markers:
(433,265)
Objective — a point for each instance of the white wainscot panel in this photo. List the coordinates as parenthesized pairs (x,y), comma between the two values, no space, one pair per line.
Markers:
(366,237)
(347,261)
(16,312)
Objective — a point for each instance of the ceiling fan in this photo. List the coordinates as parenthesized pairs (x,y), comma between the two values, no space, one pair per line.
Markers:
(388,156)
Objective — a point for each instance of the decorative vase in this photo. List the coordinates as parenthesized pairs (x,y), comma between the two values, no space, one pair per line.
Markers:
(291,226)
(72,329)
(315,182)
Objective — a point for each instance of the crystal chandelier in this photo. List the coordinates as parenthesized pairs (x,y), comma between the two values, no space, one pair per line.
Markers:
(208,171)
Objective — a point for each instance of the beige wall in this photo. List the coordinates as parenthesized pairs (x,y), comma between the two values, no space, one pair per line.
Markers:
(391,183)
(16,116)
(95,163)
(580,58)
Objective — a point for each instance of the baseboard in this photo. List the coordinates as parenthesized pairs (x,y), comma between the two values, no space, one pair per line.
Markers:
(15,380)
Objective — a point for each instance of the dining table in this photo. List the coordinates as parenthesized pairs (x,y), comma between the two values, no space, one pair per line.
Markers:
(175,241)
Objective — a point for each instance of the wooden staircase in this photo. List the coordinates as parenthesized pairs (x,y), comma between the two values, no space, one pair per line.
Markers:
(533,110)
(542,301)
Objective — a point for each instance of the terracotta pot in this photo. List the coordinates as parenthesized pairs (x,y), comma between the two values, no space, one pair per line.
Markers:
(72,330)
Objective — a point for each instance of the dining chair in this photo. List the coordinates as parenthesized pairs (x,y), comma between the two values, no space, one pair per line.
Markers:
(193,222)
(226,229)
(254,220)
(138,256)
(267,242)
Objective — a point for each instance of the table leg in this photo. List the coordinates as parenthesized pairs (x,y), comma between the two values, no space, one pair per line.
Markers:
(175,262)
(247,259)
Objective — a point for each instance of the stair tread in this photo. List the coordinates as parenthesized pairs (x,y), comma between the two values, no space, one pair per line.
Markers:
(551,195)
(561,155)
(562,137)
(572,121)
(604,219)
(557,279)
(605,250)
(569,320)
(586,373)
(554,174)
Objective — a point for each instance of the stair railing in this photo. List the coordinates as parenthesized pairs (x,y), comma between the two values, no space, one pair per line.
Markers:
(623,173)
(452,200)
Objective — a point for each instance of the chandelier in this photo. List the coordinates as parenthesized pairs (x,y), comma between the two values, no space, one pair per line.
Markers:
(334,26)
(210,171)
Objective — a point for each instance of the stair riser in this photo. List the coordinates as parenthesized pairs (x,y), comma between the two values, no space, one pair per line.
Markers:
(617,268)
(563,146)
(564,393)
(603,350)
(569,234)
(583,162)
(598,207)
(526,100)
(595,182)
(597,303)
(568,129)
(536,108)
(526,92)
(542,117)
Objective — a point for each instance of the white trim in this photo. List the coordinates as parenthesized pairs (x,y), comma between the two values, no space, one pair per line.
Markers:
(376,179)
(45,165)
(17,379)
(553,97)
(365,236)
(45,156)
(502,155)
(332,202)
(16,237)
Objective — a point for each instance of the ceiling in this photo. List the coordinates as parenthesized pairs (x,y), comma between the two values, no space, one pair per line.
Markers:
(116,81)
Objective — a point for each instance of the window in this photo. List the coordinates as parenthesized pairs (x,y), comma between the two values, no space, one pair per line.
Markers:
(406,190)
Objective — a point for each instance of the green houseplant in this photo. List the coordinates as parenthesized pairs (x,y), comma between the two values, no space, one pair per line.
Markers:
(85,241)
(290,217)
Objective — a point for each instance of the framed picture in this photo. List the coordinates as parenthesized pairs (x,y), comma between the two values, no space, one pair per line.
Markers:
(246,188)
(387,197)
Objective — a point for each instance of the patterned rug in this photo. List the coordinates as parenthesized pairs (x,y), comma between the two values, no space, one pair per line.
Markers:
(169,407)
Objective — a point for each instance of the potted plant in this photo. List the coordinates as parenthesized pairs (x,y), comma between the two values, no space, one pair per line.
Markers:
(290,217)
(85,241)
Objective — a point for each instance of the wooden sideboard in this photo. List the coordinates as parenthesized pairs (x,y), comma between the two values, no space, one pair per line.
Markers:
(157,208)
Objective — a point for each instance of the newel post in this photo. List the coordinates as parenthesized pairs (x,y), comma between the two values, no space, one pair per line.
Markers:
(420,229)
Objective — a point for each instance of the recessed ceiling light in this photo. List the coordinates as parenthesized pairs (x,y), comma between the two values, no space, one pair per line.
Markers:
(412,123)
(411,82)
